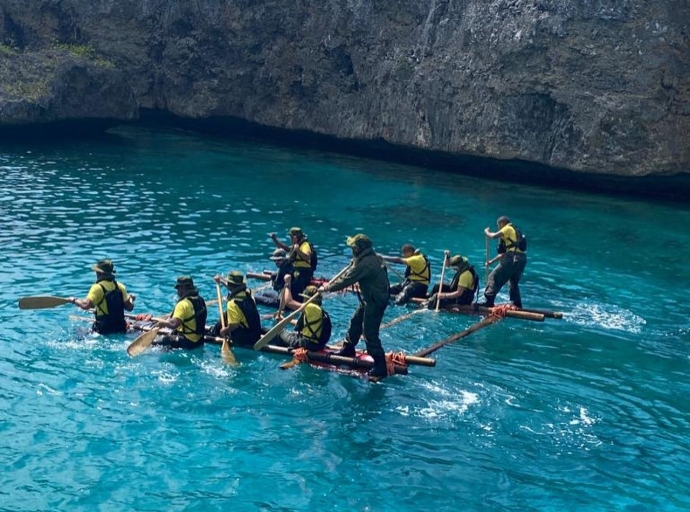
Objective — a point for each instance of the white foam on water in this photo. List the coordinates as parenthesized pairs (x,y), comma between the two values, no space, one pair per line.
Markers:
(608,316)
(450,403)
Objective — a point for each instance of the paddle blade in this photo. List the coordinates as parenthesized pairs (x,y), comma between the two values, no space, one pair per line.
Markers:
(275,330)
(227,354)
(142,342)
(41,302)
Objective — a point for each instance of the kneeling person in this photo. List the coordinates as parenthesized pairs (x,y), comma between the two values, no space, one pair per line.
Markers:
(242,320)
(188,318)
(462,287)
(313,329)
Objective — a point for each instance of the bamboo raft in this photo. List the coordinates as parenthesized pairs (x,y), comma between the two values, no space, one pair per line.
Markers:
(326,358)
(491,315)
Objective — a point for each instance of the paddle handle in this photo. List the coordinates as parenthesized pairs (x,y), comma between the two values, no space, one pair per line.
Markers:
(440,284)
(225,350)
(486,260)
(221,313)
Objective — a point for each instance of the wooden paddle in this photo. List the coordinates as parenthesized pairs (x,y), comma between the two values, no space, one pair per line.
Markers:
(440,284)
(486,261)
(142,342)
(281,306)
(275,330)
(41,302)
(225,350)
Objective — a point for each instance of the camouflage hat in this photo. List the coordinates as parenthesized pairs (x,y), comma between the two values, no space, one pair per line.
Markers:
(278,255)
(104,267)
(309,292)
(235,277)
(459,261)
(185,281)
(296,232)
(360,240)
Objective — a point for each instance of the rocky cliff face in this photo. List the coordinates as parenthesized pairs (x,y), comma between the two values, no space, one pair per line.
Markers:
(599,86)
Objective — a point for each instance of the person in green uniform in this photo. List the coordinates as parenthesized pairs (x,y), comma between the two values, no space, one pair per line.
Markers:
(242,320)
(417,275)
(512,253)
(462,287)
(369,270)
(301,255)
(313,329)
(109,298)
(188,318)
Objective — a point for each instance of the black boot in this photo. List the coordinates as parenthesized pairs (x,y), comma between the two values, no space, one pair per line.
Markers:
(379,369)
(347,350)
(488,302)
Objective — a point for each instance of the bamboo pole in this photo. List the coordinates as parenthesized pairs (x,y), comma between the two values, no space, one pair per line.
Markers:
(471,309)
(440,284)
(475,327)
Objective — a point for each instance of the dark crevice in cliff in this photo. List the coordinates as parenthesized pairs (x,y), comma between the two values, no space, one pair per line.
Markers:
(660,188)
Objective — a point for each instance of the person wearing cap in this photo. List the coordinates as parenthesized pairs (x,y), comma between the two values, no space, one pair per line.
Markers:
(242,321)
(417,275)
(271,298)
(313,329)
(369,270)
(188,318)
(110,299)
(462,288)
(513,260)
(300,254)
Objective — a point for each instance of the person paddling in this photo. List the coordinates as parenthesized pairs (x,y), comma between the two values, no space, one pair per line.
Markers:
(462,287)
(313,329)
(242,320)
(417,275)
(188,318)
(110,299)
(369,270)
(301,256)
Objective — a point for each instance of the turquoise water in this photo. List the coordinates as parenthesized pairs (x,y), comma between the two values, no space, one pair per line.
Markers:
(585,413)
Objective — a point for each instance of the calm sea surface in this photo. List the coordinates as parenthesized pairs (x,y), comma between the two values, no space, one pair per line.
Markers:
(587,413)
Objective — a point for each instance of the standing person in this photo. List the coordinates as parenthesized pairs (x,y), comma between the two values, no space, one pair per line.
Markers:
(512,253)
(417,275)
(313,329)
(188,318)
(110,299)
(462,287)
(302,257)
(271,298)
(242,320)
(369,270)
